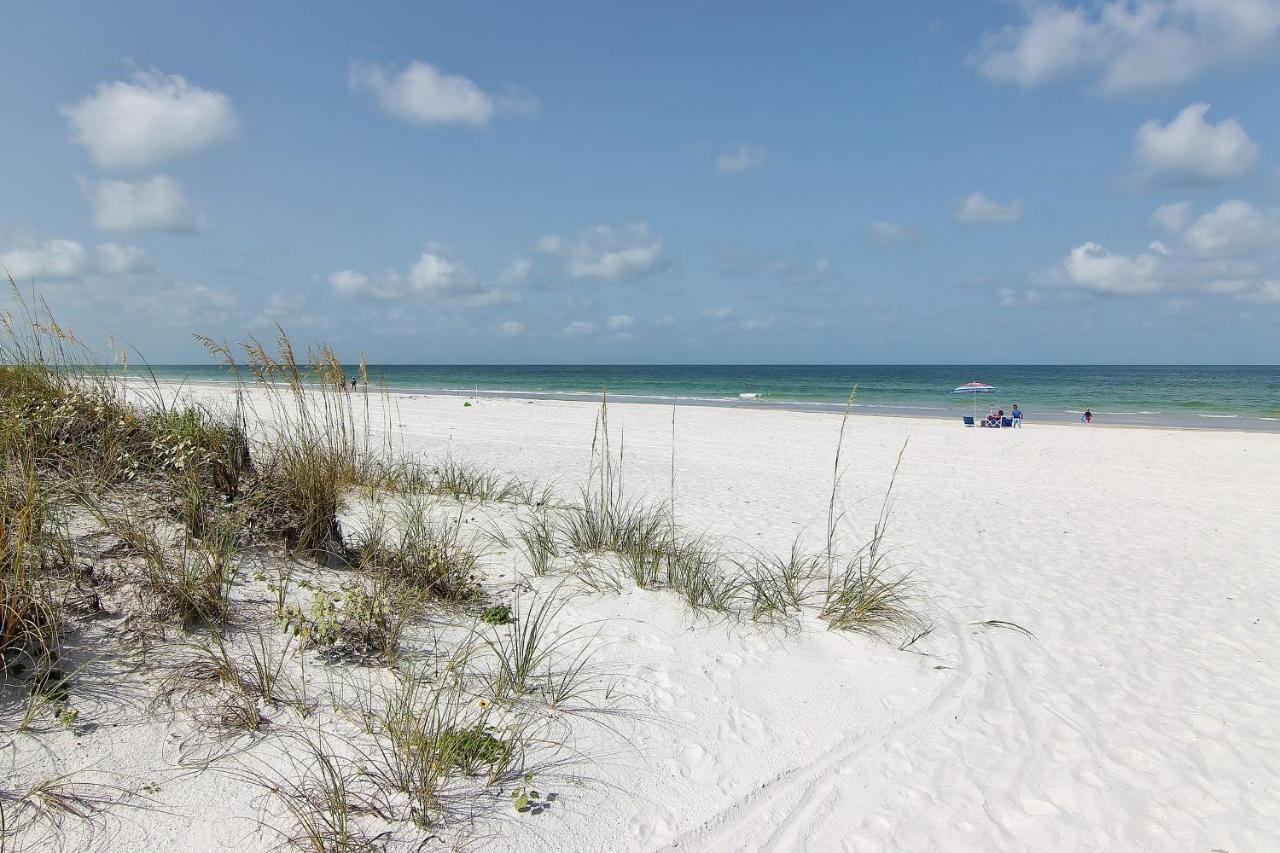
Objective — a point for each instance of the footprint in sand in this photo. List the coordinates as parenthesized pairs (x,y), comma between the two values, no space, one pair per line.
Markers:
(696,764)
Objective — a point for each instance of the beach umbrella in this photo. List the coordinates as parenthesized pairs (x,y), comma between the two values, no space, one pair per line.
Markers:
(973,389)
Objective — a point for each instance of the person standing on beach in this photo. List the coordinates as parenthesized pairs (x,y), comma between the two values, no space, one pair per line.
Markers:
(1016,414)
(1088,416)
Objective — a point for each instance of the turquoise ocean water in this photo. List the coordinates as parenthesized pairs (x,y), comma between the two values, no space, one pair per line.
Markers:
(1220,397)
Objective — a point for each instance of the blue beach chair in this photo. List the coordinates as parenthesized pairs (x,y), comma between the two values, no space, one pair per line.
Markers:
(968,421)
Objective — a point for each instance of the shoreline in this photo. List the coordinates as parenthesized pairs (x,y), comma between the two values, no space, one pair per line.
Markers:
(1136,420)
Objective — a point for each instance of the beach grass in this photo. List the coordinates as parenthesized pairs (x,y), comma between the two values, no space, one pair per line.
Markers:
(227,526)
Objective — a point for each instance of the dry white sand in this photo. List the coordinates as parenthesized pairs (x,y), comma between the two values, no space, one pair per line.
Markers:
(1141,715)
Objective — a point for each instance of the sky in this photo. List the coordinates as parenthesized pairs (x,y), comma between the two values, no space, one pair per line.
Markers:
(878,182)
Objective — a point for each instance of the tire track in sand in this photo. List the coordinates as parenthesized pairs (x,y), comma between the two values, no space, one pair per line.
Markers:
(815,782)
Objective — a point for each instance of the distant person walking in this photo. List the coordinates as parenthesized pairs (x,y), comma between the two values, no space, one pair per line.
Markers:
(1088,416)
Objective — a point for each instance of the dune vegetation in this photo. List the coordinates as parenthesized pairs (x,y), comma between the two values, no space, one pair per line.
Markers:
(313,612)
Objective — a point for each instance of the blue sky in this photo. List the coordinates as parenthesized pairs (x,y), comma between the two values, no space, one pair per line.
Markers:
(873,182)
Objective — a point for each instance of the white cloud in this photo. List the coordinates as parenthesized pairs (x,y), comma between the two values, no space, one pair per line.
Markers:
(1189,150)
(421,94)
(511,329)
(49,260)
(620,322)
(719,312)
(434,272)
(1092,267)
(134,125)
(434,275)
(67,260)
(885,234)
(741,157)
(119,259)
(1234,228)
(1128,45)
(1173,217)
(580,327)
(607,252)
(151,204)
(348,282)
(977,209)
(1232,250)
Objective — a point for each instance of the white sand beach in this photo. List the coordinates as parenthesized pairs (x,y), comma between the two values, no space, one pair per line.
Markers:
(1103,671)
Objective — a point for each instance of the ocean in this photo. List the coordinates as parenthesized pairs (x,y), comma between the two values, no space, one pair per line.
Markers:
(1211,396)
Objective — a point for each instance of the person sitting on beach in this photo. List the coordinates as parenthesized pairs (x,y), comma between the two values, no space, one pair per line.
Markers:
(993,419)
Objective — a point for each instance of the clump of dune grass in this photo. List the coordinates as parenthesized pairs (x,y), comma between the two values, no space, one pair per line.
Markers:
(313,449)
(413,548)
(29,618)
(778,588)
(33,816)
(467,481)
(867,594)
(324,791)
(693,568)
(529,656)
(537,540)
(228,688)
(189,578)
(429,731)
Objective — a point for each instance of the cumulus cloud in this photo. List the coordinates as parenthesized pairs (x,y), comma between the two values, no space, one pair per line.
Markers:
(119,259)
(423,95)
(741,157)
(1127,45)
(886,234)
(48,260)
(434,275)
(67,260)
(606,253)
(1234,228)
(154,117)
(1172,217)
(1092,267)
(977,209)
(1233,249)
(1190,150)
(152,204)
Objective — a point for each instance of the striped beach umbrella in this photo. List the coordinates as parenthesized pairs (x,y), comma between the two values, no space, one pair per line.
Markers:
(973,389)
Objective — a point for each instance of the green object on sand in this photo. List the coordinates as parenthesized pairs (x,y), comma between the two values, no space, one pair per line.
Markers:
(468,403)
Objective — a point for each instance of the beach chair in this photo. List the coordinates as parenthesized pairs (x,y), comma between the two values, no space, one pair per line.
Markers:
(1006,422)
(968,420)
